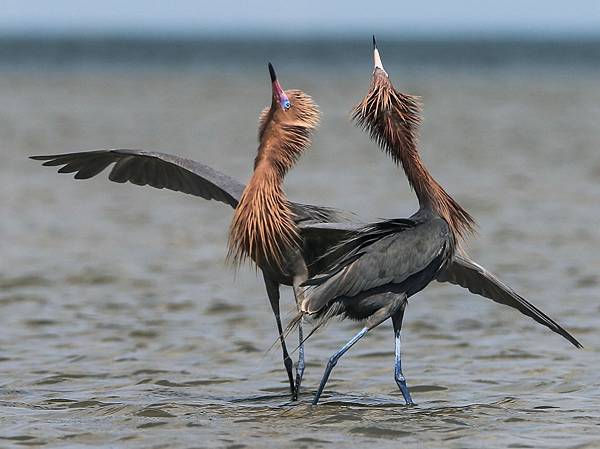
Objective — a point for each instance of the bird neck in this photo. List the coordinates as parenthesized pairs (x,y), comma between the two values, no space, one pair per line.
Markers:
(431,194)
(282,144)
(426,188)
(263,226)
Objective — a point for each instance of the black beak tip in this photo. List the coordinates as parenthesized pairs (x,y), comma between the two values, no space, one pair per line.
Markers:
(272,73)
(374,43)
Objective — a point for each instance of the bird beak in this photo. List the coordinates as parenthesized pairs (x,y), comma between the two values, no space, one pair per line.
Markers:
(278,92)
(377,64)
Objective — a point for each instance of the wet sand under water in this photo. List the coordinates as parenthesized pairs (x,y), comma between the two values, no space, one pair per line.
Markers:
(122,327)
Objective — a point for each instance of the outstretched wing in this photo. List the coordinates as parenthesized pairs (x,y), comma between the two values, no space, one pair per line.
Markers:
(478,280)
(165,171)
(160,170)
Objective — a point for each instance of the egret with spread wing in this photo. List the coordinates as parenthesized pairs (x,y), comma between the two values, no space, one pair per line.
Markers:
(266,227)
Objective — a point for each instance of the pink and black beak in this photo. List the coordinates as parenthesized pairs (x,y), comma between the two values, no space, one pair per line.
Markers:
(278,93)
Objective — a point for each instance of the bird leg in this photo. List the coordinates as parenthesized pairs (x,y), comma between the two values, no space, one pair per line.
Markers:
(391,303)
(398,376)
(299,296)
(333,361)
(273,293)
(301,363)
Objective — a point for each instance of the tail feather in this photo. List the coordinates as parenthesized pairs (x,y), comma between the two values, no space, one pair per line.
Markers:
(323,318)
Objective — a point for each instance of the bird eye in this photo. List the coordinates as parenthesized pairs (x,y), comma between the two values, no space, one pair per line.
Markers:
(287,104)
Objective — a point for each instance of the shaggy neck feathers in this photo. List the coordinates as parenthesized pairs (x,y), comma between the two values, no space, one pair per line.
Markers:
(263,227)
(392,119)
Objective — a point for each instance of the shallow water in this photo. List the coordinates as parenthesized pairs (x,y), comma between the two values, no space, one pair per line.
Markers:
(122,327)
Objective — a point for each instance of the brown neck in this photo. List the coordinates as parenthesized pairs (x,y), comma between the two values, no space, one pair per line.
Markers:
(430,193)
(263,226)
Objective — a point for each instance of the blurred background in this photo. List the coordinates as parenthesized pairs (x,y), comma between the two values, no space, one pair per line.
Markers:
(121,326)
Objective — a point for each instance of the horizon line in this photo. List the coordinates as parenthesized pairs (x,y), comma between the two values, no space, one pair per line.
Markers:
(186,33)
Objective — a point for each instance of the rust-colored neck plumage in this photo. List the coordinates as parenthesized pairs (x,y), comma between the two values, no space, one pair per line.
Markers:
(263,226)
(392,119)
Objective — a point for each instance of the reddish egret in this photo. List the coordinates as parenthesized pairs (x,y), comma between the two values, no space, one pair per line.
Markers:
(266,227)
(384,263)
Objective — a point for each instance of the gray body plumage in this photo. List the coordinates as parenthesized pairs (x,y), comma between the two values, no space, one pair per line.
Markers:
(400,256)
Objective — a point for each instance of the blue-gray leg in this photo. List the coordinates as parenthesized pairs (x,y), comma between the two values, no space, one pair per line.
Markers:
(398,376)
(333,361)
(390,305)
(300,365)
(299,296)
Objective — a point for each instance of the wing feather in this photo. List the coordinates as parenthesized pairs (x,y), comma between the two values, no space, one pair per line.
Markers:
(158,170)
(478,280)
(165,171)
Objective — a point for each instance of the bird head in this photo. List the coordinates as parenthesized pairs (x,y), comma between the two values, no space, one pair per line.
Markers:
(378,70)
(391,117)
(290,109)
(280,98)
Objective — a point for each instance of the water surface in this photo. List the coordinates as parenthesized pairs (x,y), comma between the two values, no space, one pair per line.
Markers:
(121,326)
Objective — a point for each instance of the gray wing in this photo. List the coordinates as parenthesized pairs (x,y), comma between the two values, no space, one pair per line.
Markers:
(342,228)
(318,240)
(478,280)
(307,215)
(160,170)
(165,171)
(383,258)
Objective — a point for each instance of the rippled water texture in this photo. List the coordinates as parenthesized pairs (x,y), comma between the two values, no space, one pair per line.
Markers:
(121,326)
